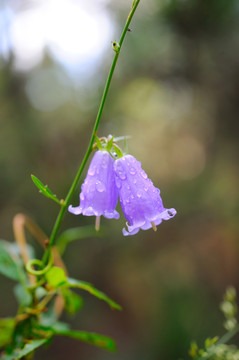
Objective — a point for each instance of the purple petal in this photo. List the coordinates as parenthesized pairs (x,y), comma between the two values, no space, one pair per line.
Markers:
(140,200)
(98,192)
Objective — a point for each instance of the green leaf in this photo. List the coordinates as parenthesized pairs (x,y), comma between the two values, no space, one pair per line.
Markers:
(56,276)
(60,326)
(101,341)
(23,296)
(77,233)
(73,283)
(110,143)
(98,143)
(27,349)
(44,189)
(8,266)
(73,302)
(120,138)
(118,151)
(6,330)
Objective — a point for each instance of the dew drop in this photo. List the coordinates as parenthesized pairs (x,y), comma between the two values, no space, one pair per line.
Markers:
(104,161)
(121,172)
(139,194)
(122,175)
(132,196)
(82,197)
(132,170)
(134,181)
(91,171)
(143,174)
(127,200)
(128,187)
(100,186)
(146,188)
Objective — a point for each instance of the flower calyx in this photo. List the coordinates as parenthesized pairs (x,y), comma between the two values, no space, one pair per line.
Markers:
(110,145)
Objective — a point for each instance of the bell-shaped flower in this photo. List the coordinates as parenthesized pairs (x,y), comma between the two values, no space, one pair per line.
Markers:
(98,192)
(140,200)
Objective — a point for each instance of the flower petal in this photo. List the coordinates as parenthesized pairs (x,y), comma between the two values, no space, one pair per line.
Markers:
(140,200)
(99,194)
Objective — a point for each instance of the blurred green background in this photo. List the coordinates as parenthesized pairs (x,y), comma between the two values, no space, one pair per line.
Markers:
(176,93)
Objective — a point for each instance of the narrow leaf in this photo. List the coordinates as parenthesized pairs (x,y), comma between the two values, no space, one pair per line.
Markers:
(27,349)
(110,143)
(23,296)
(73,283)
(73,302)
(118,152)
(101,341)
(98,143)
(120,138)
(8,266)
(44,189)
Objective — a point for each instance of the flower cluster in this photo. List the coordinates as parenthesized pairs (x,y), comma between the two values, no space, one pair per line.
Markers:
(140,200)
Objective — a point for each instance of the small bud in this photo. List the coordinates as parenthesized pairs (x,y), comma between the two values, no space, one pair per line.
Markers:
(230,294)
(193,350)
(115,46)
(228,309)
(46,243)
(230,324)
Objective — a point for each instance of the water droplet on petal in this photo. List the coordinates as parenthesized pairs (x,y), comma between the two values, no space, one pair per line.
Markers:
(122,175)
(134,181)
(82,197)
(132,170)
(128,187)
(128,200)
(143,174)
(132,196)
(98,171)
(100,186)
(146,188)
(91,171)
(139,194)
(104,161)
(120,171)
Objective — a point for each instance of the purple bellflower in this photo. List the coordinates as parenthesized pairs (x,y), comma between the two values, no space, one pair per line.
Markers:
(140,200)
(99,194)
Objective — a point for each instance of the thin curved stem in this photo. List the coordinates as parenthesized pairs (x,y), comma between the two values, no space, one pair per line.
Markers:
(97,121)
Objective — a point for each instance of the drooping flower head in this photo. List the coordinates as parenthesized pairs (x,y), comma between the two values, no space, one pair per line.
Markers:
(98,192)
(140,200)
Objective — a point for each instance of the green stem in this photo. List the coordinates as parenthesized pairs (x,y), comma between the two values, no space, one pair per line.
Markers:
(92,139)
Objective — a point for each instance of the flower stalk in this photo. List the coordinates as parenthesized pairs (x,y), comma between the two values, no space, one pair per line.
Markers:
(65,205)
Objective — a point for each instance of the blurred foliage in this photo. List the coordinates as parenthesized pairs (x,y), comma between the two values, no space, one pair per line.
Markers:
(176,93)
